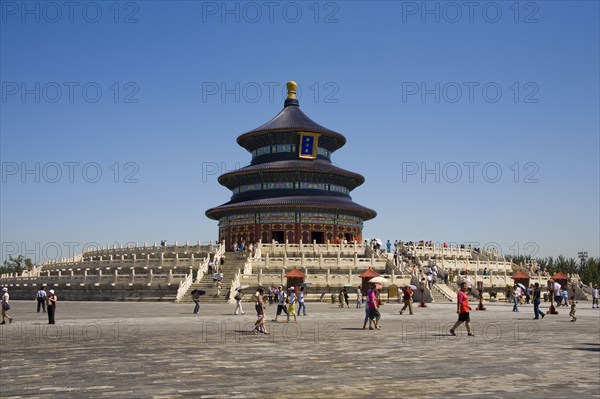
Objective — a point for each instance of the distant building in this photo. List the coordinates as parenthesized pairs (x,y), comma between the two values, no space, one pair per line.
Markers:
(291,191)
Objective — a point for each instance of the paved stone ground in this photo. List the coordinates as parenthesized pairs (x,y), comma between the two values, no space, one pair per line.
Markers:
(161,350)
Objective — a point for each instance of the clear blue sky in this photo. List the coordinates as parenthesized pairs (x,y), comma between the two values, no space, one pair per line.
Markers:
(413,86)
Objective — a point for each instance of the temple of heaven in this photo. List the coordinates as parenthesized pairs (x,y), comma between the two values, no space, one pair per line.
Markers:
(291,191)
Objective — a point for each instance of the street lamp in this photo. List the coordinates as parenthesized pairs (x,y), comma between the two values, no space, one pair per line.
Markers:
(480,289)
(582,255)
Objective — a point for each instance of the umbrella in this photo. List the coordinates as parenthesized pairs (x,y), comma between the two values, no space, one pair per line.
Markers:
(305,285)
(199,292)
(521,285)
(242,287)
(378,241)
(379,280)
(347,285)
(413,287)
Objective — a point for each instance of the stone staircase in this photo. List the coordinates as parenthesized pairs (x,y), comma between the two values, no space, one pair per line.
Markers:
(442,293)
(230,268)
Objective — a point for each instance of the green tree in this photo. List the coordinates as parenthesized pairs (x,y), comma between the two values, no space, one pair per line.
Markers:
(16,265)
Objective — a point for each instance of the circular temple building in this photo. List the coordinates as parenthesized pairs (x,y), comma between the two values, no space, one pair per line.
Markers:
(291,191)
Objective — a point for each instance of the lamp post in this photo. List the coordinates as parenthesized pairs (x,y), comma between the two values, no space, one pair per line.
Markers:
(583,255)
(480,289)
(422,289)
(551,310)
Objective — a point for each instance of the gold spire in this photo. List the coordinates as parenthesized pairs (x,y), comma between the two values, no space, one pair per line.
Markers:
(291,88)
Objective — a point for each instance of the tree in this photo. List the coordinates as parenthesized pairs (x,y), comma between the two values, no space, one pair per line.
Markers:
(16,265)
(589,272)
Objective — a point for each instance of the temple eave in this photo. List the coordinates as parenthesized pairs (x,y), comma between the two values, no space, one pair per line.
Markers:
(293,204)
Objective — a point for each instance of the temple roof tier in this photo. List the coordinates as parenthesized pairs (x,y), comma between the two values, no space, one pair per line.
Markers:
(291,119)
(319,203)
(293,168)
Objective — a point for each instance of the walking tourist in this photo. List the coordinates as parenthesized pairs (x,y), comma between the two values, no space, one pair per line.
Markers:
(196,299)
(260,325)
(271,293)
(516,294)
(346,297)
(281,297)
(51,306)
(557,293)
(301,304)
(5,306)
(594,296)
(367,314)
(374,302)
(292,305)
(462,308)
(341,299)
(358,298)
(536,302)
(238,302)
(41,299)
(573,310)
(407,295)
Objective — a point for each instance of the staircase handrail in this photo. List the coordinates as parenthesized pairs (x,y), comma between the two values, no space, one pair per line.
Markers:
(235,284)
(184,286)
(202,269)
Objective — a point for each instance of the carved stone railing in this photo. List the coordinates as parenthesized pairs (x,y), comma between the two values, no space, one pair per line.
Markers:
(235,284)
(132,252)
(95,279)
(331,249)
(267,261)
(184,286)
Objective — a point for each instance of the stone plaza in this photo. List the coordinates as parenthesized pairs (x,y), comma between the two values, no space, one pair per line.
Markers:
(162,350)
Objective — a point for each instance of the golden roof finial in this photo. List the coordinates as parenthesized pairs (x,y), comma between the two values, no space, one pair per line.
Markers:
(291,88)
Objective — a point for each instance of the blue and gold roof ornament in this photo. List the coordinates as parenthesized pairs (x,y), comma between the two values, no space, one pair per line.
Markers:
(309,142)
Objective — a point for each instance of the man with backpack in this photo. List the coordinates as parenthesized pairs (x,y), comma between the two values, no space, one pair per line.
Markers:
(41,299)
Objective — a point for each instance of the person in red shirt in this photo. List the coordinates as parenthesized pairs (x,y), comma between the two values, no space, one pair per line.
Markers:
(373,303)
(462,308)
(407,298)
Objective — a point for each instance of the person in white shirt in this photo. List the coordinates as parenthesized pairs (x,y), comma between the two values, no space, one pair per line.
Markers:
(594,297)
(557,293)
(516,296)
(5,306)
(41,299)
(281,303)
(358,298)
(301,304)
